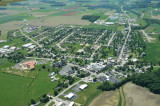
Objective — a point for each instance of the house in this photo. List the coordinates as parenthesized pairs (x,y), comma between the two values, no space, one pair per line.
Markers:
(71,104)
(6,47)
(52,74)
(83,86)
(27,45)
(30,64)
(69,96)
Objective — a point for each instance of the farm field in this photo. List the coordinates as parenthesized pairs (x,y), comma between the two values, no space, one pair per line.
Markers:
(134,96)
(109,98)
(57,20)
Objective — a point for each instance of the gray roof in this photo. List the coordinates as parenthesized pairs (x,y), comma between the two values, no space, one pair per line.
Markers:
(66,70)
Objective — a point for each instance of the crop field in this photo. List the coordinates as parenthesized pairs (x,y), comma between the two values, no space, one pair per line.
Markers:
(17,17)
(57,20)
(135,95)
(109,98)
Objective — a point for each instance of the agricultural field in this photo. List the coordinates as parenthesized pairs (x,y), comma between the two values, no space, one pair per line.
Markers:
(109,98)
(134,96)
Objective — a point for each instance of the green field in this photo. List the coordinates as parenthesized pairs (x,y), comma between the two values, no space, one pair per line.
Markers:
(86,96)
(17,17)
(110,27)
(20,90)
(153,28)
(153,51)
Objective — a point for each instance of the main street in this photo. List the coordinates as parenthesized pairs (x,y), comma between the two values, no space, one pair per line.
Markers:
(125,42)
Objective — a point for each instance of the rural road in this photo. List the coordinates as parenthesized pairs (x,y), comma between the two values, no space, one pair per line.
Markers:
(30,39)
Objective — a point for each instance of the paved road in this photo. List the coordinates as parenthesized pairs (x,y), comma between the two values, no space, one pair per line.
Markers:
(56,98)
(125,42)
(96,43)
(142,15)
(100,36)
(148,37)
(109,42)
(30,39)
(39,58)
(59,44)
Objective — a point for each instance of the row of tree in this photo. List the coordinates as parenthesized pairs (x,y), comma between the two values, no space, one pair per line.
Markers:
(91,18)
(150,80)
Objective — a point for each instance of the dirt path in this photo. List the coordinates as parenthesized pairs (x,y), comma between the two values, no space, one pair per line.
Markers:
(122,96)
(145,34)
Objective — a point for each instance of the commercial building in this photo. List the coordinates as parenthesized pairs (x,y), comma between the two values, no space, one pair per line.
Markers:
(69,96)
(83,86)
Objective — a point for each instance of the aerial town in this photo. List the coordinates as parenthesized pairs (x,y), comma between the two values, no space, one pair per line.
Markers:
(75,64)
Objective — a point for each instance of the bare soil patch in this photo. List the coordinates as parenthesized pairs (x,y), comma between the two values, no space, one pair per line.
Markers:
(109,98)
(139,96)
(7,27)
(110,12)
(156,17)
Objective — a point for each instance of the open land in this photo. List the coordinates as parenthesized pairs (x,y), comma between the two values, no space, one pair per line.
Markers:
(135,95)
(109,98)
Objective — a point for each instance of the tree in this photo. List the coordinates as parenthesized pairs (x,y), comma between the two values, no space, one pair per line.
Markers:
(55,93)
(43,66)
(94,79)
(33,101)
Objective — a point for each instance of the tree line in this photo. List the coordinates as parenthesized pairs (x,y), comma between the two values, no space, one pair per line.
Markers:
(149,79)
(91,18)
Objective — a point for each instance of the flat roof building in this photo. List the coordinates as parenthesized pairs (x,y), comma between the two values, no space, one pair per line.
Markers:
(69,96)
(83,86)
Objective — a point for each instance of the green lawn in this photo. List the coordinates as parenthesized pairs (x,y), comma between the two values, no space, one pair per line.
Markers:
(153,53)
(20,90)
(110,27)
(86,96)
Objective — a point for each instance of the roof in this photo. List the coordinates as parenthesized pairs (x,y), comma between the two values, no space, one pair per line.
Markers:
(71,104)
(83,86)
(66,70)
(70,95)
(27,45)
(51,74)
(30,64)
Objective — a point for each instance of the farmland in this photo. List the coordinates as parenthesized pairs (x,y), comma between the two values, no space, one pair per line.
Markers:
(135,95)
(109,98)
